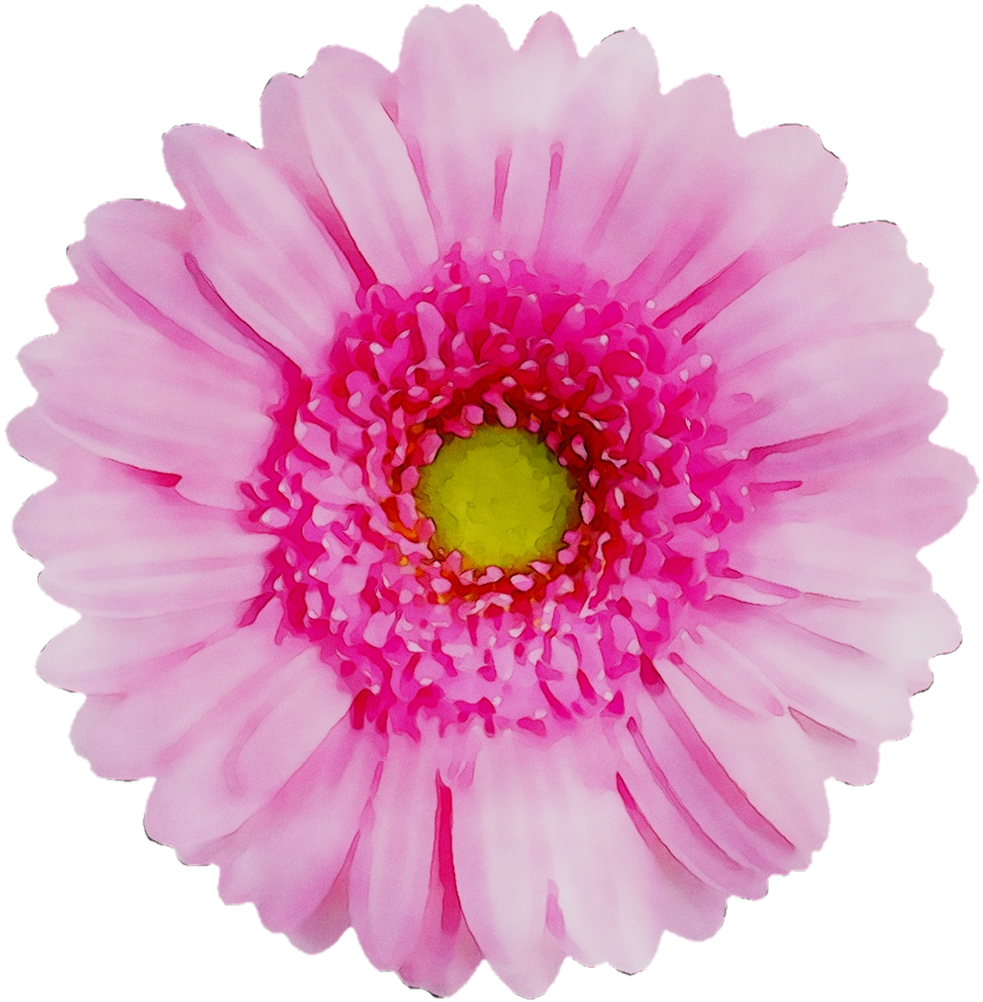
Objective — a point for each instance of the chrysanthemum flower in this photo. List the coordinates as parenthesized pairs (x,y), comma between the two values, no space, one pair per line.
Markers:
(493,504)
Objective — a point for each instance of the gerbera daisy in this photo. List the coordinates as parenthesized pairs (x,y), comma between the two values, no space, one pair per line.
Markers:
(492,504)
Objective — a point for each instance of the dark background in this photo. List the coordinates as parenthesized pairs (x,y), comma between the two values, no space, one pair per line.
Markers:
(879,906)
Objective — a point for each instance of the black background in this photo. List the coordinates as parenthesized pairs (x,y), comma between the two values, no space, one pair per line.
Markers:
(880,905)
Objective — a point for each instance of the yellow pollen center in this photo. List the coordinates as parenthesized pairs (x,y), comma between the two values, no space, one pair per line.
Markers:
(500,498)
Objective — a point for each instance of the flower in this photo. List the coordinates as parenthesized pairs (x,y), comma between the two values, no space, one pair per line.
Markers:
(493,504)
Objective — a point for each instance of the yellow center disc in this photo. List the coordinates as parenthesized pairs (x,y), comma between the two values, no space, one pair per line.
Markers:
(500,498)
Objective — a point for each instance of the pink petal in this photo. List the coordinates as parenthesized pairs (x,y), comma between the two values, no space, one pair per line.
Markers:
(452,78)
(913,497)
(815,672)
(390,876)
(91,530)
(243,750)
(287,857)
(331,133)
(267,256)
(749,784)
(706,816)
(128,734)
(445,954)
(724,212)
(32,434)
(502,865)
(135,258)
(135,253)
(545,66)
(828,560)
(598,133)
(796,352)
(116,386)
(106,656)
(579,866)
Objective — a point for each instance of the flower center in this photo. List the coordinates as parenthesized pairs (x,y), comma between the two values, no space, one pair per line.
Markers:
(499,497)
(494,502)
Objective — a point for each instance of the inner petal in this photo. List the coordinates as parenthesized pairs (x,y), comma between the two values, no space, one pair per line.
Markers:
(500,498)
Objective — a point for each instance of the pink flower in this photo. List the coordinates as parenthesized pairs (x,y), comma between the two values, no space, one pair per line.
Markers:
(492,505)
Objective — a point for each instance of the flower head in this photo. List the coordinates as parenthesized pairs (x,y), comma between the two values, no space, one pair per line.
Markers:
(493,504)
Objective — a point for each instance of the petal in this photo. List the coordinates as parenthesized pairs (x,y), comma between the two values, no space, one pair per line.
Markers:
(854,276)
(134,260)
(33,436)
(545,67)
(795,354)
(287,857)
(135,254)
(718,211)
(501,864)
(748,785)
(838,677)
(106,656)
(597,137)
(126,734)
(706,816)
(445,954)
(119,547)
(243,750)
(331,133)
(914,497)
(838,674)
(546,850)
(811,671)
(452,78)
(390,876)
(265,253)
(828,560)
(112,384)
(142,369)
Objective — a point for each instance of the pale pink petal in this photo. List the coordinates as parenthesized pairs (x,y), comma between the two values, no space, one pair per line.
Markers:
(135,254)
(838,675)
(452,81)
(841,671)
(287,857)
(724,211)
(331,133)
(816,388)
(733,793)
(567,854)
(92,534)
(128,734)
(265,253)
(242,751)
(915,496)
(598,134)
(491,128)
(106,656)
(445,954)
(814,672)
(796,352)
(502,859)
(718,827)
(616,893)
(854,276)
(32,434)
(828,560)
(144,367)
(115,385)
(545,65)
(390,876)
